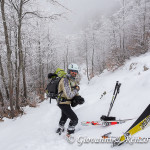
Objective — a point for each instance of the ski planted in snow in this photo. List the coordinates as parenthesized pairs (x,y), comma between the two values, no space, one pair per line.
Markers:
(116,92)
(104,123)
(140,124)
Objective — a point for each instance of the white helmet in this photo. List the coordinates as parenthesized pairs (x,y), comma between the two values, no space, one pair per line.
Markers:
(73,66)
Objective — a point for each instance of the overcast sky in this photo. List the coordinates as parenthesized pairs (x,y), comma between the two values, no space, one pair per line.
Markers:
(81,12)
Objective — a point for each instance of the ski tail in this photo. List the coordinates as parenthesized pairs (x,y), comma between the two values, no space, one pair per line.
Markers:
(140,124)
(143,115)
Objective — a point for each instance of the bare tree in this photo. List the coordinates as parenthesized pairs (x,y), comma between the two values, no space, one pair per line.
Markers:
(9,62)
(3,78)
(67,54)
(1,99)
(86,49)
(93,52)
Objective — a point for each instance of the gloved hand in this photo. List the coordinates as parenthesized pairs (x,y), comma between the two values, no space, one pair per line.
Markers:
(74,103)
(80,100)
(77,100)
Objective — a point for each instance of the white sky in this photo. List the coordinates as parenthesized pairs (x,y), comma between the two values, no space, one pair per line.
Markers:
(82,11)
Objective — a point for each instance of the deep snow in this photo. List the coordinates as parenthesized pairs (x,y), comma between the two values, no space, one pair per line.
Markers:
(36,129)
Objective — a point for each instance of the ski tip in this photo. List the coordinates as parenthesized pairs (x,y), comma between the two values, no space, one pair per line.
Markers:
(107,135)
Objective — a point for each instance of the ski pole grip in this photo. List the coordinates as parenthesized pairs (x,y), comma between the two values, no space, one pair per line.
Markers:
(115,87)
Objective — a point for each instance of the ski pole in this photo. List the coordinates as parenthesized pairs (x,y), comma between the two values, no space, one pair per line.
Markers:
(112,98)
(116,91)
(115,87)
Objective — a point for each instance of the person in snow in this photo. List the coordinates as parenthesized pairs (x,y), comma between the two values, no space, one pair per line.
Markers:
(68,88)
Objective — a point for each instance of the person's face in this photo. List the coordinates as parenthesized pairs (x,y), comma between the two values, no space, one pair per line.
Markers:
(73,73)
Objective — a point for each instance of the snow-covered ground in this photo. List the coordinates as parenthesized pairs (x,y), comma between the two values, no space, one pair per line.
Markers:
(36,129)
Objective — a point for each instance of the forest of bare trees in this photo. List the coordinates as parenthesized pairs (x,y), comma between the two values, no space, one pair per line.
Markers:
(30,47)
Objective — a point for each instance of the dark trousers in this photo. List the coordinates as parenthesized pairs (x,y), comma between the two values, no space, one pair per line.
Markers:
(67,112)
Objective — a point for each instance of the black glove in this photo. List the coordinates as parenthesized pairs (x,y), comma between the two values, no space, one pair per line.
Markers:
(77,100)
(50,75)
(80,100)
(74,103)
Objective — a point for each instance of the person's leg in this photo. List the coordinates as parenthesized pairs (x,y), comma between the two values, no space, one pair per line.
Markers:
(67,111)
(62,121)
(73,122)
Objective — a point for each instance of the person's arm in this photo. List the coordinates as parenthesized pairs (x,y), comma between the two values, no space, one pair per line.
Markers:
(67,89)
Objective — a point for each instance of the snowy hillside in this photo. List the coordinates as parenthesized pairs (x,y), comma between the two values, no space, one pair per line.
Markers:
(36,129)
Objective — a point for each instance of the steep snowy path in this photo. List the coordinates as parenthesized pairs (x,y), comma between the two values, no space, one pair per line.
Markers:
(36,129)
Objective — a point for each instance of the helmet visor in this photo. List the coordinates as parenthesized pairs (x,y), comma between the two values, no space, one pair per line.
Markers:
(74,71)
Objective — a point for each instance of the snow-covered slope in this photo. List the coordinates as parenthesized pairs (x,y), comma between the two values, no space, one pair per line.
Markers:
(36,129)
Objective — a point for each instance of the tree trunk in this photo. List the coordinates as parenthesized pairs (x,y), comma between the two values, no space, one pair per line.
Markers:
(87,67)
(144,26)
(123,32)
(24,79)
(40,66)
(16,63)
(20,55)
(9,52)
(43,76)
(1,99)
(21,59)
(93,55)
(3,78)
(67,63)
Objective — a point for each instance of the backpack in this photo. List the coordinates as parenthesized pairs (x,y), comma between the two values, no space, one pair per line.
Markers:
(52,87)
